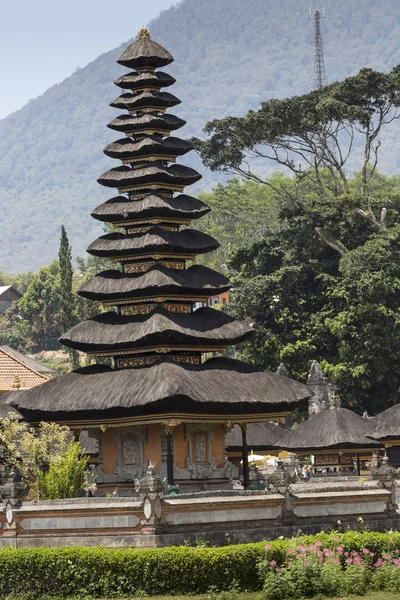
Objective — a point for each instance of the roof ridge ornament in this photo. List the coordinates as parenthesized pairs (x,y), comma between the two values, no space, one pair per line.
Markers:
(144,34)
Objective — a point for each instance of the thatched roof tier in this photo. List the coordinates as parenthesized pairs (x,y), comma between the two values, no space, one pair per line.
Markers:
(110,332)
(386,425)
(168,148)
(146,123)
(7,411)
(145,79)
(156,240)
(120,208)
(219,388)
(260,436)
(197,280)
(148,99)
(332,428)
(142,178)
(145,53)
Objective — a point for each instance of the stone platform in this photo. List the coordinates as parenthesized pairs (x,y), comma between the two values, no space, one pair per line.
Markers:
(150,519)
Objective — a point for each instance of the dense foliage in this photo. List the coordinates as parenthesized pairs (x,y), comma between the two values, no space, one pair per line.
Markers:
(49,461)
(309,302)
(107,573)
(229,55)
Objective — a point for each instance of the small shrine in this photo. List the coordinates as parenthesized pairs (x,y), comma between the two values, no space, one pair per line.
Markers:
(386,431)
(156,399)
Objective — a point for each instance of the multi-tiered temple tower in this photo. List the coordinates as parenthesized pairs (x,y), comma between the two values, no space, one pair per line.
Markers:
(160,401)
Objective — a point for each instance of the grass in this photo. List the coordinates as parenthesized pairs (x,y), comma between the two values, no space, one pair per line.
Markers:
(257,596)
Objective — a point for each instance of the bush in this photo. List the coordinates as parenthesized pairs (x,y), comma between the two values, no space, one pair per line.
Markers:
(348,567)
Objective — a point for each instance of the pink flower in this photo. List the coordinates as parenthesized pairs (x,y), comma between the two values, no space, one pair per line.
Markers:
(340,549)
(306,563)
(273,563)
(346,553)
(291,551)
(378,563)
(396,561)
(365,551)
(349,560)
(268,547)
(318,543)
(336,539)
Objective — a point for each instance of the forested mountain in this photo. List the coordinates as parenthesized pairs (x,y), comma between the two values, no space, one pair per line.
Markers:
(229,55)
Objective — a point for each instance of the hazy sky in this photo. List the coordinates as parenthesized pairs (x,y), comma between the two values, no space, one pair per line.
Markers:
(43,41)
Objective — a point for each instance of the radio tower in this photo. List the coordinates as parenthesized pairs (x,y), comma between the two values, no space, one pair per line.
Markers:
(320,79)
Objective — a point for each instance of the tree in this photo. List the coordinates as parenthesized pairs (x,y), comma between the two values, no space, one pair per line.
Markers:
(40,308)
(313,136)
(240,211)
(309,302)
(49,461)
(67,296)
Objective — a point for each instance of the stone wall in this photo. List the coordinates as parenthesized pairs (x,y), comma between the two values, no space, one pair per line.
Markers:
(150,519)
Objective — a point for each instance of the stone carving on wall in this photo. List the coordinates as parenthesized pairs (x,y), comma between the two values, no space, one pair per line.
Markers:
(200,464)
(131,463)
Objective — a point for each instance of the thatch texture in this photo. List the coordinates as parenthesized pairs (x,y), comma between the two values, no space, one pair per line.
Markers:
(147,99)
(110,331)
(148,146)
(147,79)
(156,240)
(386,425)
(219,386)
(331,428)
(6,411)
(152,173)
(259,436)
(152,206)
(114,285)
(148,121)
(145,53)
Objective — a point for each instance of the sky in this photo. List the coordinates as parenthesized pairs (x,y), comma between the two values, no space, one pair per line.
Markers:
(43,41)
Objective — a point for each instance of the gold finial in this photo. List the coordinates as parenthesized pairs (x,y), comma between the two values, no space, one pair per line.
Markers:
(17,383)
(144,34)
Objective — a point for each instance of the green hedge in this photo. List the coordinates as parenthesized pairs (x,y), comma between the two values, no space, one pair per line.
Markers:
(101,572)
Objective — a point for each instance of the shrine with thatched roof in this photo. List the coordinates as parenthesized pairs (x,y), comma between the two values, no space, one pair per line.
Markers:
(161,401)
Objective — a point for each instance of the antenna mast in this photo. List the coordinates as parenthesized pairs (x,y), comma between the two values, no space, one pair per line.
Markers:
(320,79)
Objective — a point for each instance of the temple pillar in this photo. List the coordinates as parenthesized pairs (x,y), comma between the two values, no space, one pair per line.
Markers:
(245,455)
(170,459)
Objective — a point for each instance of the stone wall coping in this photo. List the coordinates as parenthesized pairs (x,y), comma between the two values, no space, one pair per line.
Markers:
(179,501)
(334,486)
(346,494)
(79,504)
(222,493)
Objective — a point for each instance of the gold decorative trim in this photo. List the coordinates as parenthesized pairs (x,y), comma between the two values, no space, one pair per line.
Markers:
(145,266)
(182,299)
(146,229)
(143,309)
(148,132)
(158,256)
(149,158)
(158,350)
(146,109)
(141,361)
(182,418)
(152,186)
(186,359)
(179,308)
(152,222)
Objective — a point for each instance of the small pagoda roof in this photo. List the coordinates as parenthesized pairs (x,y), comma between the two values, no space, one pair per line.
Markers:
(125,148)
(29,362)
(260,436)
(196,280)
(332,428)
(220,386)
(15,371)
(188,241)
(146,79)
(386,425)
(130,124)
(145,53)
(148,175)
(109,331)
(158,206)
(147,99)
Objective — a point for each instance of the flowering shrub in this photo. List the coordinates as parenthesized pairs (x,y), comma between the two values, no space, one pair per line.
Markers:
(328,569)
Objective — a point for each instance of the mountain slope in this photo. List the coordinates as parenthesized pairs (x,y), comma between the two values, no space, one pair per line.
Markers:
(229,55)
